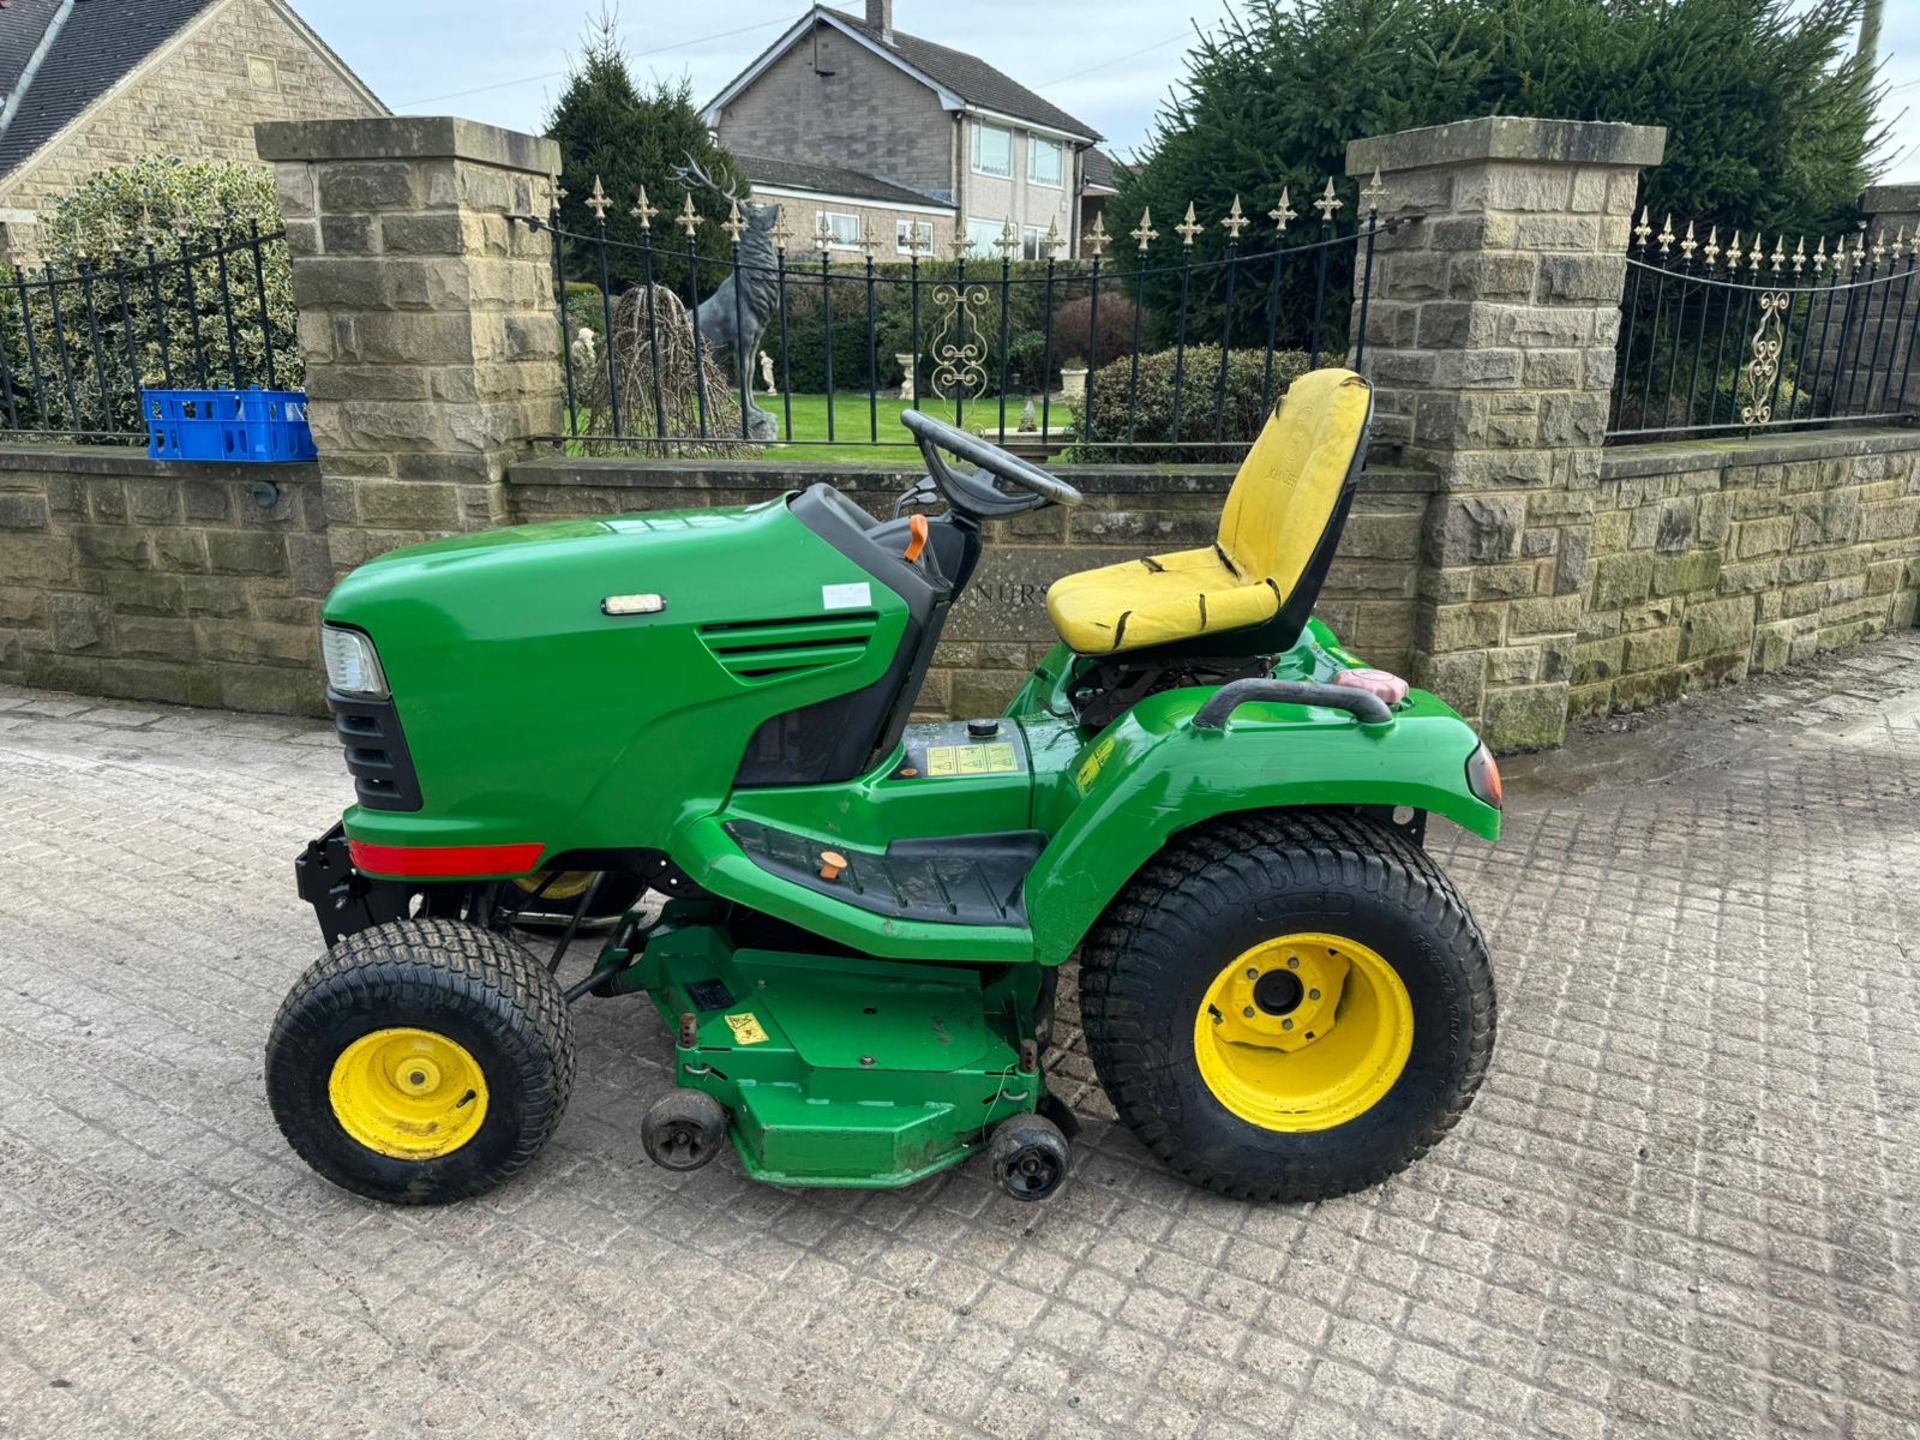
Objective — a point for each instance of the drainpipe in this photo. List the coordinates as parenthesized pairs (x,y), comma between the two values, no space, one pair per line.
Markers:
(38,58)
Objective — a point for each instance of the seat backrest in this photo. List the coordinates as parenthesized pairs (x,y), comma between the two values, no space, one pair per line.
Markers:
(1289,488)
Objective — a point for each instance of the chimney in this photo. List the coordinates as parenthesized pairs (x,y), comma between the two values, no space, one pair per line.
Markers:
(880,17)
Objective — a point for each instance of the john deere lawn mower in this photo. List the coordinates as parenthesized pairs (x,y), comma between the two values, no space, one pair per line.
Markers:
(692,729)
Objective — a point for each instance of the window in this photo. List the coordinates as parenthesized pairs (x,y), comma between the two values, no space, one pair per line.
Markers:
(1033,244)
(984,236)
(1045,162)
(843,230)
(992,150)
(913,235)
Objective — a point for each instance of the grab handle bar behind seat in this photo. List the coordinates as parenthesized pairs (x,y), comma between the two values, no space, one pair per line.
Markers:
(1363,705)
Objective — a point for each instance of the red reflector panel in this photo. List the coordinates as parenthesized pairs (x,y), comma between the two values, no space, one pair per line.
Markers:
(442,862)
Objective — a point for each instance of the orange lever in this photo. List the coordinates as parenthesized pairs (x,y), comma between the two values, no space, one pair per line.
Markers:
(918,525)
(832,862)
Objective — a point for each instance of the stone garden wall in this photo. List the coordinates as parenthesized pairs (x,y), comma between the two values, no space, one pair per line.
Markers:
(192,584)
(1713,560)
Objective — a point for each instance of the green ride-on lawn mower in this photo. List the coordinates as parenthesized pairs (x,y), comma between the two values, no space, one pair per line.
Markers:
(859,921)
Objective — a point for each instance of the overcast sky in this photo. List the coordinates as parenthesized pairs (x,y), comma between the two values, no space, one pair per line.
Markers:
(1109,62)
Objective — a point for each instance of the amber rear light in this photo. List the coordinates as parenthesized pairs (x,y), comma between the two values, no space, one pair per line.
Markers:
(1483,777)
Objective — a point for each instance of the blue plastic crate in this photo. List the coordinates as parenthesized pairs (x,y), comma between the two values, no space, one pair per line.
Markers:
(249,426)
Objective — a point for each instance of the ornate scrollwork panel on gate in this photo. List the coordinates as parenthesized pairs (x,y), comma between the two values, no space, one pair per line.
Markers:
(1763,363)
(959,346)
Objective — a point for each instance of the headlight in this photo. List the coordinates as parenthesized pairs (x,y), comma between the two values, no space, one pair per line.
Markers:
(352,666)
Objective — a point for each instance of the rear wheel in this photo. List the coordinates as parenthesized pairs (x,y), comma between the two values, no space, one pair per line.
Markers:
(1289,1006)
(421,1061)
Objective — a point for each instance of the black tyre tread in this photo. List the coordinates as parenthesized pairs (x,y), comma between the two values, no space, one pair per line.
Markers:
(1215,866)
(422,960)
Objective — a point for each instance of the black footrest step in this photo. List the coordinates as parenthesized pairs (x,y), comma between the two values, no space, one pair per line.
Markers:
(955,880)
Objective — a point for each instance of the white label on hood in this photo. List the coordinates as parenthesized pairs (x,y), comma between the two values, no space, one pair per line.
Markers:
(846,597)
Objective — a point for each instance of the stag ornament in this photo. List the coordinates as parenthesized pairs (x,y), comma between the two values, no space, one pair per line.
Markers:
(734,317)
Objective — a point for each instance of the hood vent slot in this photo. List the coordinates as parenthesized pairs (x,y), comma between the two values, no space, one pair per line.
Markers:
(791,645)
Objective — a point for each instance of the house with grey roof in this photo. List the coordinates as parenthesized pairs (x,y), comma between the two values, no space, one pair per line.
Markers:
(86,84)
(868,136)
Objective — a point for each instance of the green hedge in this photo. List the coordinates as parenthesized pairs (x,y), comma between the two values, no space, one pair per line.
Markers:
(1142,412)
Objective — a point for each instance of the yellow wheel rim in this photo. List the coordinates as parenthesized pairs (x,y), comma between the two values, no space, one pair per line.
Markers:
(1304,1032)
(410,1094)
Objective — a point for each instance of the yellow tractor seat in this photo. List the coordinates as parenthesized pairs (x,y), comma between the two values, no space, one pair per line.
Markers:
(1251,592)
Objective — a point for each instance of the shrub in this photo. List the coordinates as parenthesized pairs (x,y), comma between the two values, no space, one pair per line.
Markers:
(1134,422)
(99,231)
(1073,339)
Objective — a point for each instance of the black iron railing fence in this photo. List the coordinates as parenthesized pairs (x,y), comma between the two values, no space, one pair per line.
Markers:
(81,337)
(1125,356)
(1716,340)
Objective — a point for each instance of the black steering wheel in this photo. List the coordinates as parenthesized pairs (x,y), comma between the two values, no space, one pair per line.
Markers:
(970,492)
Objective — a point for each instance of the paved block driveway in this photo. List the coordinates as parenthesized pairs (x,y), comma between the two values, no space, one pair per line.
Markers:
(1684,1205)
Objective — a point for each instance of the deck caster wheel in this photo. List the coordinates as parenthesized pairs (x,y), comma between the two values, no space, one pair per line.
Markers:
(683,1130)
(1029,1156)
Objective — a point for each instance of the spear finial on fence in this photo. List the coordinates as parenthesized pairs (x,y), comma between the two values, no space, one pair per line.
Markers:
(1759,246)
(1643,229)
(688,219)
(1733,253)
(733,224)
(961,245)
(1666,234)
(1052,241)
(1097,236)
(1235,222)
(1283,212)
(1779,256)
(782,232)
(1712,252)
(869,237)
(1820,257)
(1899,237)
(1328,203)
(822,235)
(1688,245)
(1375,193)
(1189,227)
(1009,240)
(644,210)
(1144,231)
(598,202)
(1879,247)
(1800,256)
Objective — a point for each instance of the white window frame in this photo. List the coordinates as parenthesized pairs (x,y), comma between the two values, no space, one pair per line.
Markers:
(905,246)
(1035,143)
(980,128)
(1033,242)
(827,217)
(987,248)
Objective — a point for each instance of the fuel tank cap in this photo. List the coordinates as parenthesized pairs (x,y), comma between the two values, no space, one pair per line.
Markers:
(983,729)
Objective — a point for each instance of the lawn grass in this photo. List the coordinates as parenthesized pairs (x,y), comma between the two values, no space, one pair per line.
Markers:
(856,422)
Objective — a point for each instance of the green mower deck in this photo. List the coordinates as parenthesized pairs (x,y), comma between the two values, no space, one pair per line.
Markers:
(869,1074)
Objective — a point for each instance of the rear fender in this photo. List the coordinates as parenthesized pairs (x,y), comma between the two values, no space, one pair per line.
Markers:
(1151,775)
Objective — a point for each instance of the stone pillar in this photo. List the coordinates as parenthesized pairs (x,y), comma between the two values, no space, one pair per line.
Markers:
(1490,339)
(1892,212)
(426,317)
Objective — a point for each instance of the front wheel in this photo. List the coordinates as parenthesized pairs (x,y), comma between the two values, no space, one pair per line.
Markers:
(1289,1006)
(421,1061)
